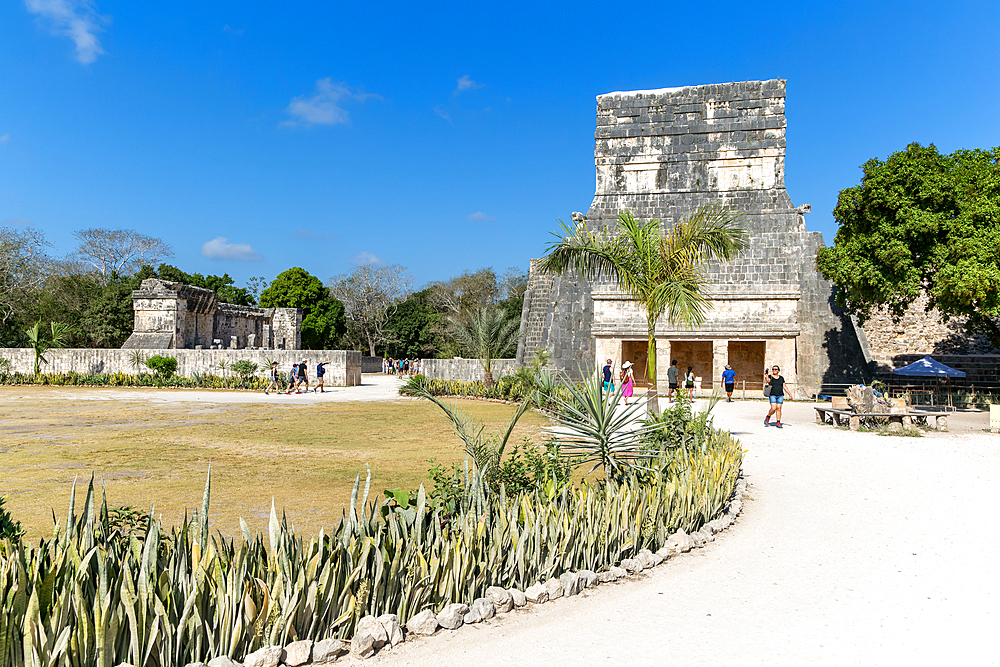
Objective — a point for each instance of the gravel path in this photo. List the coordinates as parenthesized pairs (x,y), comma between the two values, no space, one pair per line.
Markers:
(852,548)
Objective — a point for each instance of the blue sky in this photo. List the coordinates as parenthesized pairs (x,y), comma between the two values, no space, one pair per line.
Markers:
(443,137)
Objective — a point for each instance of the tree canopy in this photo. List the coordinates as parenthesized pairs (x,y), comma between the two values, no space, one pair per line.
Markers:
(323,321)
(370,294)
(224,287)
(921,222)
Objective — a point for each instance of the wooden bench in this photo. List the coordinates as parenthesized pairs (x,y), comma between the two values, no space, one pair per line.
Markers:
(940,419)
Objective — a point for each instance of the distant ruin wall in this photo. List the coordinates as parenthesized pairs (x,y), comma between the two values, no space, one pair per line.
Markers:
(344,369)
(466,370)
(922,332)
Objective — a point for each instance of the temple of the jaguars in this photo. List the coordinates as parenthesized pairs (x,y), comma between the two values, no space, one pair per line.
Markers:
(662,154)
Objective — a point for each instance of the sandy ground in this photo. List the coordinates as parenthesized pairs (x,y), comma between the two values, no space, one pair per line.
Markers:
(853,549)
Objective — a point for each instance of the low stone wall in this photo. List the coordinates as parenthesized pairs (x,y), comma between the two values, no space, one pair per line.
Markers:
(371,364)
(466,370)
(343,369)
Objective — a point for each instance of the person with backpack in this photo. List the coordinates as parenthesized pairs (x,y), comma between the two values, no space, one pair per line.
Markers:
(292,374)
(689,382)
(320,372)
(303,377)
(275,379)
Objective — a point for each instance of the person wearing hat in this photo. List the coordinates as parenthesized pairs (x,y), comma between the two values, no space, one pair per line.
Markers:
(275,379)
(628,380)
(609,379)
(729,382)
(303,376)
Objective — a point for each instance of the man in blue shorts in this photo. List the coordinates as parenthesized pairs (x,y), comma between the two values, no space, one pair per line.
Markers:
(729,382)
(609,382)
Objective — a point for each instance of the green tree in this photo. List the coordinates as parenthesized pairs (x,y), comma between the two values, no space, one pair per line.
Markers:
(108,320)
(42,340)
(662,270)
(921,223)
(323,321)
(486,334)
(414,328)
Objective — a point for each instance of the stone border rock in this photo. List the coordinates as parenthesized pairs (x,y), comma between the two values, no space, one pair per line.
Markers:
(373,634)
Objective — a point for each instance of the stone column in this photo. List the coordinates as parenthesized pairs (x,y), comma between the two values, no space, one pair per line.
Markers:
(662,363)
(233,343)
(720,357)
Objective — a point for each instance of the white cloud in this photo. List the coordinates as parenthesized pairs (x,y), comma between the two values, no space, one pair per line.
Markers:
(76,19)
(465,83)
(479,216)
(221,248)
(364,257)
(325,105)
(23,221)
(441,111)
(5,138)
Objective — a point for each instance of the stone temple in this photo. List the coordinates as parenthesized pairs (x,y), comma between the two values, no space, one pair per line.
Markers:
(176,316)
(662,154)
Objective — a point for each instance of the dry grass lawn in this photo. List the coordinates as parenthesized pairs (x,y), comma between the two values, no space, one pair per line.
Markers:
(305,457)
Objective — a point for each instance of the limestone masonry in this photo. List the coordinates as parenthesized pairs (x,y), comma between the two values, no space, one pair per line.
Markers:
(662,154)
(177,316)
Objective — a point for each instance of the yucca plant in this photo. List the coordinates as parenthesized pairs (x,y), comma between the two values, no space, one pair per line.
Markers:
(595,428)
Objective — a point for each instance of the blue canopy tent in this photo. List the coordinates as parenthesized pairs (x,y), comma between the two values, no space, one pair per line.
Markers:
(929,368)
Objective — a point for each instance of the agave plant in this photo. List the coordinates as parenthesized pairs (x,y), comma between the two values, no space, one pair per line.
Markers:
(485,451)
(594,427)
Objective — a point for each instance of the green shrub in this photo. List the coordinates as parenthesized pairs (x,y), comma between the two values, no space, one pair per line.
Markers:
(244,369)
(163,366)
(9,528)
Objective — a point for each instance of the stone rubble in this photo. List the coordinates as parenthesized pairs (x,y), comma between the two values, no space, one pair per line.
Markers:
(423,624)
(537,594)
(503,601)
(518,597)
(554,588)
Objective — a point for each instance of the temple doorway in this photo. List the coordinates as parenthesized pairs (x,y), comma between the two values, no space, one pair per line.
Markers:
(747,359)
(698,355)
(635,351)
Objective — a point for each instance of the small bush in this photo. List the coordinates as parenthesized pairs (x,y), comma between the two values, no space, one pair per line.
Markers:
(9,528)
(244,369)
(163,366)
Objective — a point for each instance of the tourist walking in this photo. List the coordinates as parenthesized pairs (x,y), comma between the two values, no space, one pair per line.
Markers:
(275,379)
(292,375)
(303,377)
(672,373)
(775,388)
(320,372)
(729,382)
(689,383)
(609,380)
(628,381)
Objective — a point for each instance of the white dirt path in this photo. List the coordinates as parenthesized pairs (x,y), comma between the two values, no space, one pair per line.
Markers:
(852,549)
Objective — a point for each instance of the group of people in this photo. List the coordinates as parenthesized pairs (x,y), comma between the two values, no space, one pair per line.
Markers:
(400,366)
(774,385)
(298,377)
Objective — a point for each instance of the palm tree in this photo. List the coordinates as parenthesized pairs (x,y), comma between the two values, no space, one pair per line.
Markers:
(42,341)
(662,270)
(487,335)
